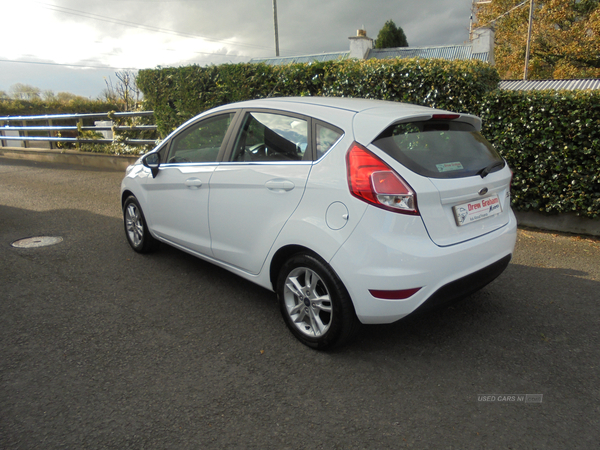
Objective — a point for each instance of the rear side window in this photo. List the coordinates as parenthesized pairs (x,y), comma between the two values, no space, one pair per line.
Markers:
(439,148)
(326,137)
(271,137)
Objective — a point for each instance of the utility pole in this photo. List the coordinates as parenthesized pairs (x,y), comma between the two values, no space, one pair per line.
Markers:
(528,49)
(276,28)
(528,40)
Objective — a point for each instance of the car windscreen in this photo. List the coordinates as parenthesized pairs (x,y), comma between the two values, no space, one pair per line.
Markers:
(440,148)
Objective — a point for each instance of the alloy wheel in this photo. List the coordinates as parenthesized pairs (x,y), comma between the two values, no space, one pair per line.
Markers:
(308,302)
(134,225)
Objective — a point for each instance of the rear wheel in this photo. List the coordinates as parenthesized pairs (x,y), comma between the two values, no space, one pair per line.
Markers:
(314,303)
(136,229)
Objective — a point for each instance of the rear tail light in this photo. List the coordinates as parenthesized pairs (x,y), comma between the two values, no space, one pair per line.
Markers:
(373,181)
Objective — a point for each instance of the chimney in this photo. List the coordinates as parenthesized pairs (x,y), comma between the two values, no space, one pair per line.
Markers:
(360,45)
(483,42)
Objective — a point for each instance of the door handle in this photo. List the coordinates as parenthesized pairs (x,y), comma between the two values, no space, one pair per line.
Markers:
(193,183)
(279,185)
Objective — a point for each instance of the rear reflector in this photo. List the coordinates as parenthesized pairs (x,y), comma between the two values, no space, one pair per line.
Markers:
(401,294)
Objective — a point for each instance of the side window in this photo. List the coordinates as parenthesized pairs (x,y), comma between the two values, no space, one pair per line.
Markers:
(271,137)
(200,142)
(326,137)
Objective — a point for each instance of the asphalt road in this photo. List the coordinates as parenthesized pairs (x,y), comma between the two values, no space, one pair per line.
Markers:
(103,348)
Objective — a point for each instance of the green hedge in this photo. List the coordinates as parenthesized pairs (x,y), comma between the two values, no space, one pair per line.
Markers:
(38,108)
(178,94)
(551,140)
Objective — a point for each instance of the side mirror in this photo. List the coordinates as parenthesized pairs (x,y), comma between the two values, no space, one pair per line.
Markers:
(152,161)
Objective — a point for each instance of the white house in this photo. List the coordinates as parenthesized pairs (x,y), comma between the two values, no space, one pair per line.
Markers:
(361,47)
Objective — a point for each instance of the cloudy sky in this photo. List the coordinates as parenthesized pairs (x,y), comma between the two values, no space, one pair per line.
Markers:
(76,45)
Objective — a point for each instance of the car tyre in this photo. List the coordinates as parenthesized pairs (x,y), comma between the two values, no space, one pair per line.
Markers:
(314,303)
(136,229)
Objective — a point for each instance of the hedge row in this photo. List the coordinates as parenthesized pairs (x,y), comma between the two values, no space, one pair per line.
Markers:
(178,94)
(38,108)
(551,140)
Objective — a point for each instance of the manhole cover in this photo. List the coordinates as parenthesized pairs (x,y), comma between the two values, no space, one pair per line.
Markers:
(38,241)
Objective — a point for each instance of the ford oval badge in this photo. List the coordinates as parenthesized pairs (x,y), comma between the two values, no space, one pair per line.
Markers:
(483,191)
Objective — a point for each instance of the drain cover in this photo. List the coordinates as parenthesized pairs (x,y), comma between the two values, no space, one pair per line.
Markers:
(38,241)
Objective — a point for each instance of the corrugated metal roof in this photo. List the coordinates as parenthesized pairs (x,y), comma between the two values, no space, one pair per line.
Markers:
(556,85)
(451,52)
(320,57)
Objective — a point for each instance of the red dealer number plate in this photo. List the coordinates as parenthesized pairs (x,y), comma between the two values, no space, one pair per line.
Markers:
(477,210)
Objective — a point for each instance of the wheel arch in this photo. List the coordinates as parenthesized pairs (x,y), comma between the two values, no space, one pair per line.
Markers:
(126,193)
(282,255)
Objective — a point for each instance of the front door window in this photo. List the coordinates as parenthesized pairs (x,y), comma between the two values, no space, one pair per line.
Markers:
(201,142)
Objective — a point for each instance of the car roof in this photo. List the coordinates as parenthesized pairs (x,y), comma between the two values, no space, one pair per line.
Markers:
(371,117)
(347,103)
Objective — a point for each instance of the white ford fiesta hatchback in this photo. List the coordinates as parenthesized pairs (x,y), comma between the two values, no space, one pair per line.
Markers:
(352,211)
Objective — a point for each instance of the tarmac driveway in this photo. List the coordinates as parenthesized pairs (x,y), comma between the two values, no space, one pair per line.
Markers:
(103,348)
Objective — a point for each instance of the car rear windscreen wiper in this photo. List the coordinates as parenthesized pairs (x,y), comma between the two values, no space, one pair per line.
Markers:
(487,170)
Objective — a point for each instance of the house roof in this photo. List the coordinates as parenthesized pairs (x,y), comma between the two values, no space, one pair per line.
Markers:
(556,85)
(481,47)
(319,57)
(451,52)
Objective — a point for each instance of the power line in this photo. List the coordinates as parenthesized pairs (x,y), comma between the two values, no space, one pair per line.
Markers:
(90,66)
(67,65)
(505,14)
(127,23)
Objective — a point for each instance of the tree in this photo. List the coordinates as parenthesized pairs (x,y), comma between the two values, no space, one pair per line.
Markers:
(20,91)
(125,90)
(391,36)
(65,97)
(62,97)
(565,38)
(48,95)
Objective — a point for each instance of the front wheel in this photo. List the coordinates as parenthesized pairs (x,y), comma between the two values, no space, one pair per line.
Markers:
(136,229)
(314,303)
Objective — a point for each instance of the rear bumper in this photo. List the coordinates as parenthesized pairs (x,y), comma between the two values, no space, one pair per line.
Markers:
(464,286)
(389,252)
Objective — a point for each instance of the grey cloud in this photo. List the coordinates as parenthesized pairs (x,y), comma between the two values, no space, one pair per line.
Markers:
(305,26)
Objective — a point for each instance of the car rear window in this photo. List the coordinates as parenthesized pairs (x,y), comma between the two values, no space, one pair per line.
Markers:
(440,148)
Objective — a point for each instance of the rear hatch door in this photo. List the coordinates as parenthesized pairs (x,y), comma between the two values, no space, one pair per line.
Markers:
(462,183)
(466,208)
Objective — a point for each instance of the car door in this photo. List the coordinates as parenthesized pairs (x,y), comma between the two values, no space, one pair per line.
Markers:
(256,191)
(178,196)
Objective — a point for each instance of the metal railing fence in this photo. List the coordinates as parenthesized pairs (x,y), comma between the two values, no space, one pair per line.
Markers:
(48,133)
